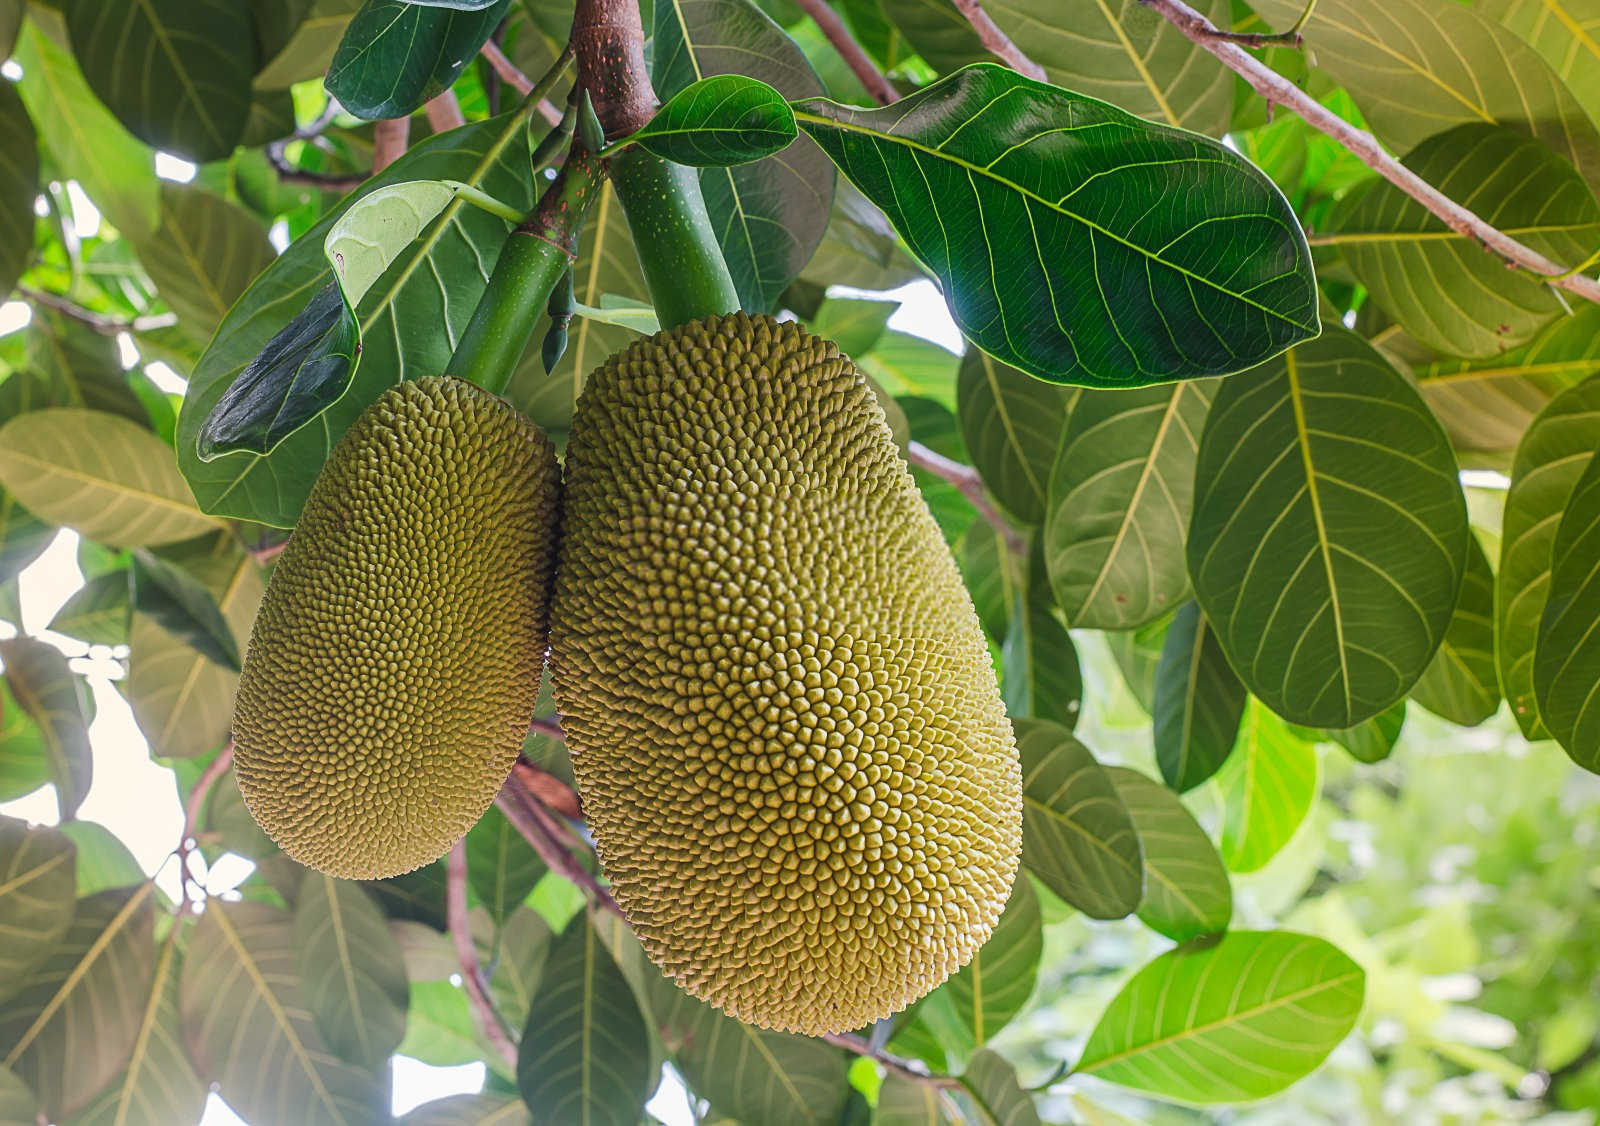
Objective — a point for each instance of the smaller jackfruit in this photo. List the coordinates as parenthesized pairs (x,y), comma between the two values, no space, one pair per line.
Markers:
(395,660)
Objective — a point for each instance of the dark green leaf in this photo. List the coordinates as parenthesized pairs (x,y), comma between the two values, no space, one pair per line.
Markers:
(471,1110)
(1077,836)
(585,1053)
(1012,424)
(181,605)
(97,612)
(23,537)
(1119,503)
(351,969)
(1180,1028)
(308,50)
(1566,664)
(37,892)
(1553,455)
(19,184)
(1130,290)
(1329,532)
(205,254)
(395,55)
(175,72)
(1041,675)
(74,366)
(903,1101)
(501,865)
(992,988)
(1186,888)
(417,896)
(517,966)
(299,374)
(1461,683)
(45,689)
(1198,702)
(1371,740)
(768,216)
(1267,787)
(720,121)
(72,1027)
(991,1088)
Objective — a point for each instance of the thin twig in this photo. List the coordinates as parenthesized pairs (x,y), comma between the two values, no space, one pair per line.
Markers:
(521,83)
(530,818)
(910,1070)
(192,810)
(1278,90)
(997,42)
(855,57)
(552,791)
(389,140)
(444,113)
(490,1022)
(99,322)
(966,479)
(266,553)
(328,181)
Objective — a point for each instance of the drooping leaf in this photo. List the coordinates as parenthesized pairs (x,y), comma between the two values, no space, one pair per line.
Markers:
(718,122)
(300,373)
(71,365)
(205,254)
(396,55)
(1198,702)
(409,324)
(501,866)
(377,228)
(109,478)
(1461,684)
(17,1104)
(989,570)
(768,216)
(1329,532)
(23,536)
(1137,653)
(1553,455)
(180,604)
(418,896)
(36,898)
(1041,674)
(1448,292)
(471,1110)
(1180,1028)
(24,763)
(903,1101)
(1566,663)
(859,247)
(308,50)
(71,1028)
(248,1026)
(992,988)
(103,861)
(991,1089)
(19,184)
(351,970)
(1077,836)
(97,612)
(585,1054)
(175,72)
(1186,888)
(517,968)
(1013,425)
(1119,503)
(1369,741)
(1267,787)
(42,685)
(1073,262)
(1566,33)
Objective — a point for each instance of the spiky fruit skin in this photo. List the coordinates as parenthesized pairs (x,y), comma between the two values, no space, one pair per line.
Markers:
(781,708)
(395,660)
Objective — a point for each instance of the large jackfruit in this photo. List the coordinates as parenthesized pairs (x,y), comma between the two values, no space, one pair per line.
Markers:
(395,660)
(782,711)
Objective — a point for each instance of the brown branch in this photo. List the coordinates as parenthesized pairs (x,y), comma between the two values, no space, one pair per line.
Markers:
(966,479)
(553,792)
(608,41)
(906,1068)
(266,553)
(389,141)
(444,113)
(857,59)
(490,1022)
(328,181)
(997,42)
(521,83)
(99,322)
(1278,90)
(192,810)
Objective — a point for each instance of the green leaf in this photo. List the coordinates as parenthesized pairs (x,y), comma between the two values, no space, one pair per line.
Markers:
(471,1110)
(88,144)
(395,55)
(377,228)
(300,373)
(36,898)
(859,247)
(501,866)
(749,1074)
(1553,455)
(19,184)
(23,537)
(1198,702)
(42,684)
(181,605)
(1417,67)
(17,1105)
(1119,504)
(418,896)
(74,366)
(409,324)
(1267,787)
(189,90)
(1013,425)
(1329,532)
(1564,34)
(768,216)
(1184,263)
(1371,740)
(24,765)
(1461,684)
(1566,664)
(585,1053)
(1041,674)
(1138,656)
(183,700)
(1181,1027)
(523,946)
(906,1102)
(992,988)
(104,862)
(109,478)
(309,48)
(990,1086)
(440,1029)
(989,568)
(351,970)
(623,312)
(205,254)
(720,121)
(97,612)
(249,1029)
(1186,888)
(1445,289)
(72,1027)
(158,1085)
(1077,836)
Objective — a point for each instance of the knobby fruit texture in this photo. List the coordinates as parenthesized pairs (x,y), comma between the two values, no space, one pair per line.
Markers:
(395,660)
(784,719)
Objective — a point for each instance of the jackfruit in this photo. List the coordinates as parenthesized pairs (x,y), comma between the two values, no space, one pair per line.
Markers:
(394,663)
(784,720)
